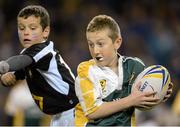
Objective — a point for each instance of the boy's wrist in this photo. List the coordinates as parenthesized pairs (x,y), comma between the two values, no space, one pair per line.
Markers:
(130,99)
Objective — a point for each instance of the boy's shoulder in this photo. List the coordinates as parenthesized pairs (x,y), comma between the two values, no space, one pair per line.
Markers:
(132,65)
(84,66)
(38,46)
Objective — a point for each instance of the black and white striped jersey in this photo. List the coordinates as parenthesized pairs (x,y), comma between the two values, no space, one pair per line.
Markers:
(49,78)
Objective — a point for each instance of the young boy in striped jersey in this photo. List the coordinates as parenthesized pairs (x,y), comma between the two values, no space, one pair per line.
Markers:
(103,85)
(49,78)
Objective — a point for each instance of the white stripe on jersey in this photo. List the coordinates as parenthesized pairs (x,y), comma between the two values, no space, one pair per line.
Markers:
(121,74)
(46,50)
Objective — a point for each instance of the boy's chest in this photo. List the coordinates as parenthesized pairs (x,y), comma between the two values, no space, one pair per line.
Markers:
(108,82)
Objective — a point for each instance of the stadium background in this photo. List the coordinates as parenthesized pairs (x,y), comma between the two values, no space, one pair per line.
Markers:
(150,31)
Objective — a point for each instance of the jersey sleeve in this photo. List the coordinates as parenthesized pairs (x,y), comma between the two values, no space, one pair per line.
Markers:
(86,89)
(139,66)
(136,66)
(133,66)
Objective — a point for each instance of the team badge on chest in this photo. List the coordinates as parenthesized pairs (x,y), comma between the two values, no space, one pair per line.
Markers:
(103,85)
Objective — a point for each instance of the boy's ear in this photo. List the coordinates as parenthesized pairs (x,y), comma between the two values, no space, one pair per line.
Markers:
(46,32)
(118,43)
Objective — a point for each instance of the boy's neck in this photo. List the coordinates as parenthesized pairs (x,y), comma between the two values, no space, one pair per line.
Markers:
(114,65)
(115,69)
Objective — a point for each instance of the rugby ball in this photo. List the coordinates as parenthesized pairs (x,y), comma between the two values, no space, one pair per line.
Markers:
(154,78)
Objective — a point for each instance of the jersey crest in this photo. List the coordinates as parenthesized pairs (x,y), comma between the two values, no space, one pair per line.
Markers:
(103,84)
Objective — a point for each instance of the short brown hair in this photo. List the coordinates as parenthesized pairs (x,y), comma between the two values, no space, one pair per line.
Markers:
(37,11)
(101,22)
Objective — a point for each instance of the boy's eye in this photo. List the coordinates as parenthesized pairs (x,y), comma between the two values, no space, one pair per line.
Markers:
(33,28)
(100,44)
(21,28)
(91,45)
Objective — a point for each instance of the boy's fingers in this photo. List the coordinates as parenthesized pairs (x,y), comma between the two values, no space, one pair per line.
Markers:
(8,79)
(169,92)
(143,108)
(153,99)
(138,85)
(148,105)
(148,94)
(165,99)
(12,78)
(4,83)
(8,83)
(170,88)
(170,85)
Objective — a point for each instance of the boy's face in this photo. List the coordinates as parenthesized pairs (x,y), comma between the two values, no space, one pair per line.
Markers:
(30,31)
(101,47)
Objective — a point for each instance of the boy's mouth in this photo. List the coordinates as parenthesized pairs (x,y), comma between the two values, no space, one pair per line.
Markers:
(98,58)
(27,40)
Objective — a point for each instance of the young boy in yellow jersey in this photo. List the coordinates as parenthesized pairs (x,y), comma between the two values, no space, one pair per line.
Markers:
(103,85)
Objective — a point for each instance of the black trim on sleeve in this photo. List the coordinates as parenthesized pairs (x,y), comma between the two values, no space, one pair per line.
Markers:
(20,74)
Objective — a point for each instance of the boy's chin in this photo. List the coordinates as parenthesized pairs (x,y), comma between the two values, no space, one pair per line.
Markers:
(100,64)
(27,45)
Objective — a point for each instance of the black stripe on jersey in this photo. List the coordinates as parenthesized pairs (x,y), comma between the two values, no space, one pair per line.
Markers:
(44,62)
(66,76)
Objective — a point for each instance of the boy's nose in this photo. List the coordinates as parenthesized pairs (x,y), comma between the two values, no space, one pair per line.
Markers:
(26,32)
(96,50)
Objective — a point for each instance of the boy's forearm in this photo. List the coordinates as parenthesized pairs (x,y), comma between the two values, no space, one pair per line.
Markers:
(113,107)
(15,63)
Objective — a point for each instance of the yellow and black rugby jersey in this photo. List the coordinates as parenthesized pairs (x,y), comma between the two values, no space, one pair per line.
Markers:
(49,78)
(95,85)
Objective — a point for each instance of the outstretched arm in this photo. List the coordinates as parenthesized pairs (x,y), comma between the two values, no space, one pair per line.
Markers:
(15,63)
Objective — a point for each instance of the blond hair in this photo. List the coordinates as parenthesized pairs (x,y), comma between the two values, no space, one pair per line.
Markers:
(102,22)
